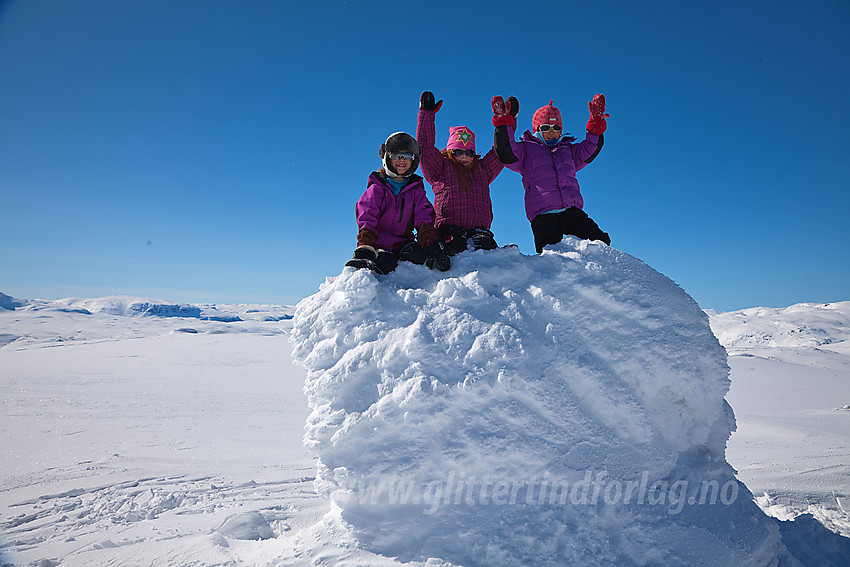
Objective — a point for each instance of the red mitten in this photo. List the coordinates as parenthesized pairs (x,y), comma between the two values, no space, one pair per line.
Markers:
(502,115)
(597,124)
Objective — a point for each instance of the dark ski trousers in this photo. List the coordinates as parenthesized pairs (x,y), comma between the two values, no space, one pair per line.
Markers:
(550,228)
(457,239)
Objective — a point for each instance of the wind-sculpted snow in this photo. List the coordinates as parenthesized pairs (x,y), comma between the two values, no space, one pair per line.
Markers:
(566,408)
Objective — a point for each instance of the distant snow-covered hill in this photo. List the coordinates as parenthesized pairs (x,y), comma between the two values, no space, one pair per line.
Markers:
(130,306)
(9,303)
(805,325)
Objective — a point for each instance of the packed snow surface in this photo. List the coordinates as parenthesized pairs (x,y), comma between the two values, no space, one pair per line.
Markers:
(559,409)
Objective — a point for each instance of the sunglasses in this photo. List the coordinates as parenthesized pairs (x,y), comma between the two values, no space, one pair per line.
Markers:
(463,153)
(402,155)
(545,127)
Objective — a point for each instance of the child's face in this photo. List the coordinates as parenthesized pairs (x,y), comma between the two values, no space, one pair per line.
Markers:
(463,158)
(401,165)
(551,133)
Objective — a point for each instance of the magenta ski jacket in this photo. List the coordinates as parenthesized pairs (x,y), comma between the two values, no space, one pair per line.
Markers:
(392,218)
(466,207)
(549,174)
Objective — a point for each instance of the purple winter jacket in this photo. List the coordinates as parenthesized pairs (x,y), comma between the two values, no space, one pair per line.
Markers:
(549,174)
(386,221)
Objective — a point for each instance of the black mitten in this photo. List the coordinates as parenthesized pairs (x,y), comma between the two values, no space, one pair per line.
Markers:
(437,257)
(364,257)
(365,253)
(482,239)
(427,102)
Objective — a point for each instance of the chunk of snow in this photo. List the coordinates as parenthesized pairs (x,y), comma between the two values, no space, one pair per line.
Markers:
(566,408)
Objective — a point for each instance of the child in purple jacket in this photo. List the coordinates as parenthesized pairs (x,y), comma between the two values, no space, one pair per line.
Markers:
(461,181)
(393,205)
(548,161)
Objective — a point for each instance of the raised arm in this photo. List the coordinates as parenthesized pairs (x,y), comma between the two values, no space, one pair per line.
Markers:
(504,119)
(433,163)
(586,151)
(492,165)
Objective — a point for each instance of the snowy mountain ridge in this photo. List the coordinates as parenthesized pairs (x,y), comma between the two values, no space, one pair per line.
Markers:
(131,306)
(804,325)
(801,325)
(9,303)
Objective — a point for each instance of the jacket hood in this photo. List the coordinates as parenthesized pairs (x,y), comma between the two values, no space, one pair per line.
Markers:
(530,137)
(381,177)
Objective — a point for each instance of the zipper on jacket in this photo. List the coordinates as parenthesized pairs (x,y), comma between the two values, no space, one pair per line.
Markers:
(557,179)
(401,211)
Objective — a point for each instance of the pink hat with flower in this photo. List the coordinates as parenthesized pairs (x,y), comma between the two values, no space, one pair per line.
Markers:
(461,138)
(546,115)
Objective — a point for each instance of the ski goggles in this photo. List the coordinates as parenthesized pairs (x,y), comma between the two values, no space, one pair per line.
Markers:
(463,153)
(545,127)
(402,155)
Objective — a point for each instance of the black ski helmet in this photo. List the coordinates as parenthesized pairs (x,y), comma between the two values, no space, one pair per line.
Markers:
(399,142)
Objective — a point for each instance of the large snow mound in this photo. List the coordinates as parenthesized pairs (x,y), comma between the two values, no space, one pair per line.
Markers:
(566,408)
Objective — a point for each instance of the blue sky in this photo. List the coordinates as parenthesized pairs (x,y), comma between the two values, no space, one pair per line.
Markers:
(212,151)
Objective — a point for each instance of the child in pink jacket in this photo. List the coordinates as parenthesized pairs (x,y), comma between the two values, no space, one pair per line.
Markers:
(461,181)
(393,205)
(548,160)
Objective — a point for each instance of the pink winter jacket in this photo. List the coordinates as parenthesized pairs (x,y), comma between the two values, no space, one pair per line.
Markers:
(549,174)
(386,221)
(470,208)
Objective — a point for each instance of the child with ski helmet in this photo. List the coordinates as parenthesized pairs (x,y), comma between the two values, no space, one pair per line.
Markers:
(548,161)
(461,181)
(393,205)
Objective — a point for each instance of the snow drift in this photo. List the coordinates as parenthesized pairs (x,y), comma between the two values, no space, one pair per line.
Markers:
(566,408)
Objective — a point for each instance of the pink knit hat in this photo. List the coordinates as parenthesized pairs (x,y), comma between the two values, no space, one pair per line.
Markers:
(461,138)
(546,115)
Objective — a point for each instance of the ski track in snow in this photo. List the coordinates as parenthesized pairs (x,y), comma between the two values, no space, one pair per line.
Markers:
(150,440)
(151,512)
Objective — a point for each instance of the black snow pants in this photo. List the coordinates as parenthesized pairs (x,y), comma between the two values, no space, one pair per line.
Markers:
(550,228)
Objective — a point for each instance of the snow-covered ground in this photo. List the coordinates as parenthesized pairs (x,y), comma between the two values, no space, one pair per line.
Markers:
(791,394)
(140,432)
